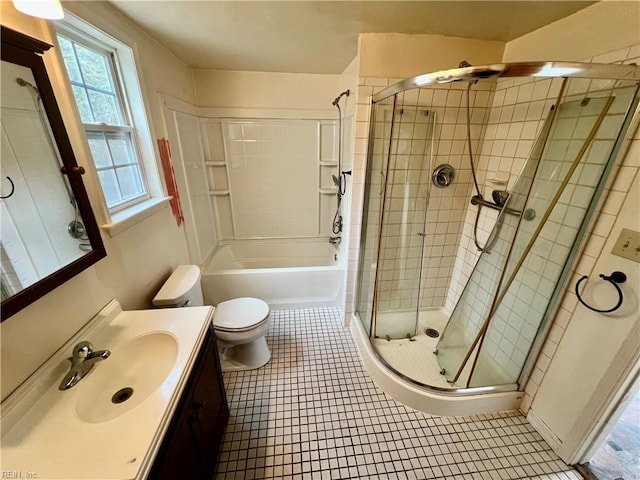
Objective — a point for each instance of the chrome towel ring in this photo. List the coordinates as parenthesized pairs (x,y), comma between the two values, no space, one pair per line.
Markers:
(615,278)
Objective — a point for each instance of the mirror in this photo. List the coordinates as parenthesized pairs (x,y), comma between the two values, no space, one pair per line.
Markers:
(48,232)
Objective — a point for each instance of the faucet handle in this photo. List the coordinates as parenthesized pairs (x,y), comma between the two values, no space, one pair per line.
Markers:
(82,350)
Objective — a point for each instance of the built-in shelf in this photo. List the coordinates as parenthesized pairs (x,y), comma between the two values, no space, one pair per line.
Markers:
(216,163)
(219,192)
(328,164)
(328,191)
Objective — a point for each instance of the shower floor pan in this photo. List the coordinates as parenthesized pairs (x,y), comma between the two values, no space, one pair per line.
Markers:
(412,358)
(409,371)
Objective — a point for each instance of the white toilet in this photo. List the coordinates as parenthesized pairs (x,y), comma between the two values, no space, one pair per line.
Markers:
(240,324)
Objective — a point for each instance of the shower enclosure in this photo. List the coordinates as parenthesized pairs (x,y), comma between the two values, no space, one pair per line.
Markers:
(455,295)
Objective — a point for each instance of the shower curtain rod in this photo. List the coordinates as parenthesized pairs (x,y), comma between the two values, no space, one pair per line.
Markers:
(519,69)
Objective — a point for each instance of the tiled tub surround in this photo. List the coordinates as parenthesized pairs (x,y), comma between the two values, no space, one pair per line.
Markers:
(271,177)
(314,413)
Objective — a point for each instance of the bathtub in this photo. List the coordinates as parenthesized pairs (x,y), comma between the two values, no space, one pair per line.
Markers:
(284,273)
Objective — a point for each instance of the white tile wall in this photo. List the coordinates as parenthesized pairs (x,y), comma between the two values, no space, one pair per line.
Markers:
(270,177)
(446,209)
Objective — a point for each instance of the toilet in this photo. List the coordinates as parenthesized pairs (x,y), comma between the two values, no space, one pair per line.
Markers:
(240,324)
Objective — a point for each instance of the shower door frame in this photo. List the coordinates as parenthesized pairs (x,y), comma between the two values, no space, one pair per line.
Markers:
(386,200)
(523,69)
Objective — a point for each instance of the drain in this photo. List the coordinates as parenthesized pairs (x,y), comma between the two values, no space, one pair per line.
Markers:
(432,332)
(122,395)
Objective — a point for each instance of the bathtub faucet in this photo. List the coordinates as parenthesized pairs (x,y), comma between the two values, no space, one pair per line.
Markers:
(335,240)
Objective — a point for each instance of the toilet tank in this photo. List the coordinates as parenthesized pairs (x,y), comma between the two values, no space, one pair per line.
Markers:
(181,289)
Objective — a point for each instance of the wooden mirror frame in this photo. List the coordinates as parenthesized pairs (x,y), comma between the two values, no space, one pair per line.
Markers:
(20,49)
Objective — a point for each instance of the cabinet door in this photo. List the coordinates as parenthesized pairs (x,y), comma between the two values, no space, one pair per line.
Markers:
(210,409)
(190,447)
(178,457)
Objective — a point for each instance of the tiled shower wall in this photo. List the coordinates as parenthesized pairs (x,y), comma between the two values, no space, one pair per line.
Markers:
(514,121)
(252,171)
(447,206)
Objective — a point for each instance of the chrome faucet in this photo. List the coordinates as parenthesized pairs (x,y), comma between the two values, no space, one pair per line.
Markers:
(82,361)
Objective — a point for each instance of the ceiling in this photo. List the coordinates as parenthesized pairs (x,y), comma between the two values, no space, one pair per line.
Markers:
(322,36)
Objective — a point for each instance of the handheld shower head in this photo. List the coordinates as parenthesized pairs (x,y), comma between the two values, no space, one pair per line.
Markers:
(336,101)
(23,83)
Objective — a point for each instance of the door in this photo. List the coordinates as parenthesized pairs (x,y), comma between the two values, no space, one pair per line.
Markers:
(616,451)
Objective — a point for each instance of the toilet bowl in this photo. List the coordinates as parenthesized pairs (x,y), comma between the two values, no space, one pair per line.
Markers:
(240,324)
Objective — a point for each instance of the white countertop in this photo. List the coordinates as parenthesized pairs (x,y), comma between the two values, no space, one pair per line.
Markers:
(44,436)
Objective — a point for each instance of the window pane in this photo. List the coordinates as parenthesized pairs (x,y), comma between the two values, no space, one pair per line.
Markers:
(110,187)
(99,149)
(105,108)
(130,182)
(100,101)
(121,148)
(94,68)
(70,59)
(83,104)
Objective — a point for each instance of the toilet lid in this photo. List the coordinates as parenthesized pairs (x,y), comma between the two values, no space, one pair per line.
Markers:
(240,313)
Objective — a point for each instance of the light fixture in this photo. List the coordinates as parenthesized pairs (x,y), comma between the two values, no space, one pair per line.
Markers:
(49,9)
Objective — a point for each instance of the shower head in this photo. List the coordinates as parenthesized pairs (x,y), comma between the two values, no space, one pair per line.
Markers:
(23,83)
(336,101)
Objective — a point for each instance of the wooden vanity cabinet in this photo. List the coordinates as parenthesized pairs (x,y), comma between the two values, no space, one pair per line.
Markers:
(191,444)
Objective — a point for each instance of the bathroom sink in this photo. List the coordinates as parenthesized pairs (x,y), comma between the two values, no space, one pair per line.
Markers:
(114,419)
(136,368)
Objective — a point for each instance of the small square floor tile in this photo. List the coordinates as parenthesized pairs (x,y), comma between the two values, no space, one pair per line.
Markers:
(313,413)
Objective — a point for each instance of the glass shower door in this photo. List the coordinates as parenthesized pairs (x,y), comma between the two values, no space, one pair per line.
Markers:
(392,241)
(379,141)
(564,193)
(402,233)
(488,341)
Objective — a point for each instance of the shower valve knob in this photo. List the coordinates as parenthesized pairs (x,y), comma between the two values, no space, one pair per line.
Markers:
(443,175)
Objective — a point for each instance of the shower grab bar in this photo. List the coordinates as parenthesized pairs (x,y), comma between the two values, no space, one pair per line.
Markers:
(478,200)
(615,278)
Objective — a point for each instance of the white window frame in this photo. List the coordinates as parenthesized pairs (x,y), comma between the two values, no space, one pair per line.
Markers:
(131,97)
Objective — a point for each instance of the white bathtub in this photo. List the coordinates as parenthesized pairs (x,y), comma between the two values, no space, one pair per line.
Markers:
(284,273)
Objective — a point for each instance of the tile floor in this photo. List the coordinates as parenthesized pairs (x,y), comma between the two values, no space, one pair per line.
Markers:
(313,412)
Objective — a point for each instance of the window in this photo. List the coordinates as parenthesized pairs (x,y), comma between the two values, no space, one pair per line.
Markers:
(97,88)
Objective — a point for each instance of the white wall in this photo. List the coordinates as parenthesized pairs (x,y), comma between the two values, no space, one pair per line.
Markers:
(139,258)
(606,26)
(265,90)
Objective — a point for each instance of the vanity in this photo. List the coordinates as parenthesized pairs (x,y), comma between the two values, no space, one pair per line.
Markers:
(149,402)
(154,408)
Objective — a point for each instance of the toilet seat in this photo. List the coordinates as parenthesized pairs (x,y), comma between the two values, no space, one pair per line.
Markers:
(240,314)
